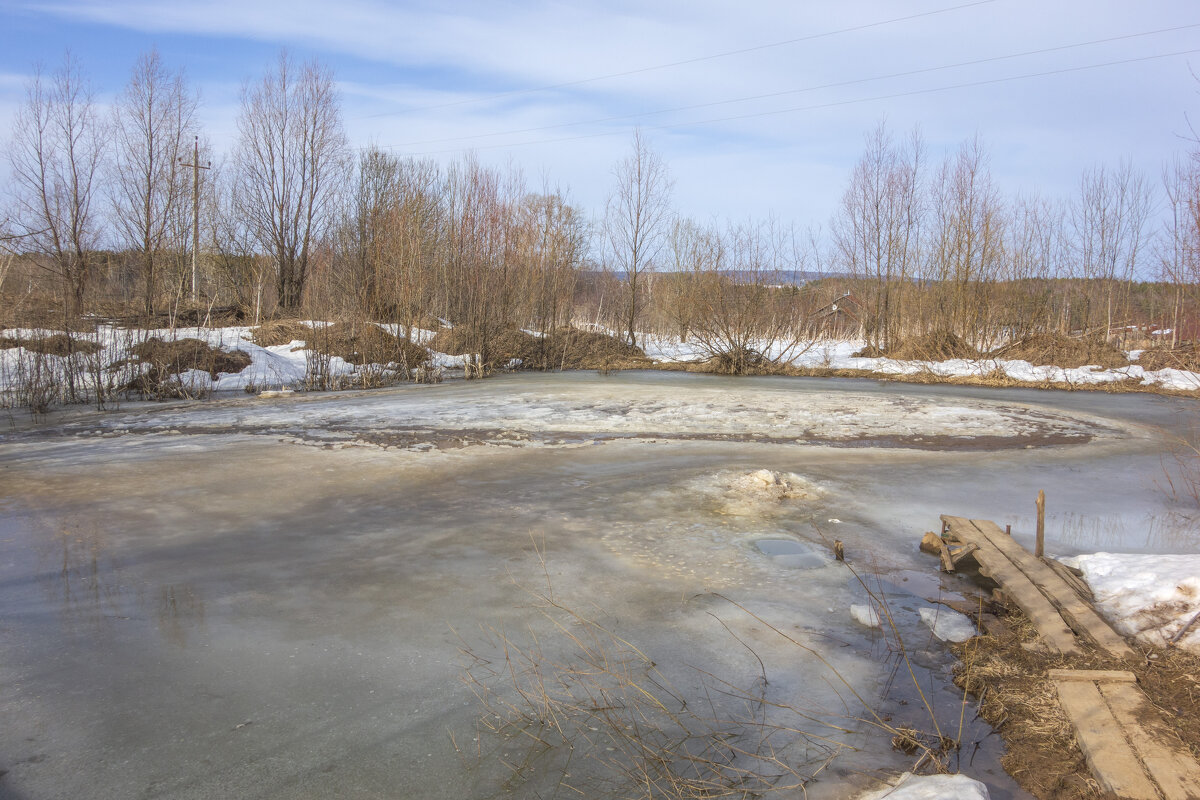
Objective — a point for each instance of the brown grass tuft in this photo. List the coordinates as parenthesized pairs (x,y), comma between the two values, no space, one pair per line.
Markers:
(181,355)
(280,332)
(932,346)
(58,344)
(362,343)
(570,348)
(1055,349)
(1185,358)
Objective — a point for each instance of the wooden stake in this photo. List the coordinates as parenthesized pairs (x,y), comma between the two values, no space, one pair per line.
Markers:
(1040,548)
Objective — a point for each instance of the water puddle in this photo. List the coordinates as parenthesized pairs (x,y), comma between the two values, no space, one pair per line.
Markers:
(792,554)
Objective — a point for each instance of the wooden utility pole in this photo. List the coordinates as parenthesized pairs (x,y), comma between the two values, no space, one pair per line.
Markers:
(196,167)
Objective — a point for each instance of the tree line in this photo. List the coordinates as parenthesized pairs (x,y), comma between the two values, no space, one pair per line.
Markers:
(294,220)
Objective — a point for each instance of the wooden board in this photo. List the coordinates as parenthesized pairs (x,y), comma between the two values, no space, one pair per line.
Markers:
(1167,760)
(1017,585)
(1077,613)
(1099,734)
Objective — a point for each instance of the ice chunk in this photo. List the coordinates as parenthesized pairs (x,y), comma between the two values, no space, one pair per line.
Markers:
(931,787)
(865,614)
(947,625)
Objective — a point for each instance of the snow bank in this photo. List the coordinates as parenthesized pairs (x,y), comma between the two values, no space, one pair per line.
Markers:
(930,787)
(1147,596)
(948,625)
(840,355)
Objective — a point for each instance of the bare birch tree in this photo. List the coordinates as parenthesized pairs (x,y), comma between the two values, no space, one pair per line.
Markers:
(966,242)
(291,161)
(636,220)
(154,120)
(1108,220)
(56,154)
(877,232)
(1179,246)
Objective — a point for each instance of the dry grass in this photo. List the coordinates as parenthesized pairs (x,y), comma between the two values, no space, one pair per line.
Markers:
(570,348)
(280,332)
(1008,676)
(560,349)
(1055,349)
(932,346)
(1185,358)
(361,343)
(182,355)
(58,344)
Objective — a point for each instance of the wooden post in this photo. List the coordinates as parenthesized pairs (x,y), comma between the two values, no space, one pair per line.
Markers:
(1040,547)
(1008,529)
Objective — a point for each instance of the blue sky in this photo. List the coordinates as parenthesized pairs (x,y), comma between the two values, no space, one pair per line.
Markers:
(435,79)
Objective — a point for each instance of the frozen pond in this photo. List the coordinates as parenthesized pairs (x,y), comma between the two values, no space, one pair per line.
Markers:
(271,598)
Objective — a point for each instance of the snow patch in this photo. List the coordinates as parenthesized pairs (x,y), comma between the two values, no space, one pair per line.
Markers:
(1150,597)
(930,787)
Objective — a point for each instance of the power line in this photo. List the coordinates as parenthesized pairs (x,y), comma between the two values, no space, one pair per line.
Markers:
(820,106)
(696,60)
(836,85)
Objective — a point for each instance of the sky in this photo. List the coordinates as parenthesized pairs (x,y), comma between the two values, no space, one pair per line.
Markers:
(759,107)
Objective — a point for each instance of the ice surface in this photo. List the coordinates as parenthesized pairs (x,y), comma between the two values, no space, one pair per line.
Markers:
(536,409)
(1148,596)
(947,624)
(281,562)
(931,787)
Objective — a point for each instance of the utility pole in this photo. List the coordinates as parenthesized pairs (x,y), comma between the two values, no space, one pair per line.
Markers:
(196,167)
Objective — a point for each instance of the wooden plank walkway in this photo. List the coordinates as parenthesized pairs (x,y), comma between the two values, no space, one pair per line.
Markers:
(1053,605)
(1128,747)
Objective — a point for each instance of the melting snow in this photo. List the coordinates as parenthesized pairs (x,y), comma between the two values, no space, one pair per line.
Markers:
(931,787)
(1148,596)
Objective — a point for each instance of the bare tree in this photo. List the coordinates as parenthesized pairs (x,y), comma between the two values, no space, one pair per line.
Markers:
(290,162)
(1108,220)
(636,219)
(56,153)
(877,233)
(154,120)
(1179,246)
(966,242)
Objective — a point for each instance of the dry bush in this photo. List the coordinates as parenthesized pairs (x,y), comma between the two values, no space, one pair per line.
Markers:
(157,366)
(1055,349)
(570,348)
(740,361)
(870,351)
(183,355)
(362,343)
(502,344)
(1186,357)
(280,332)
(933,346)
(58,344)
